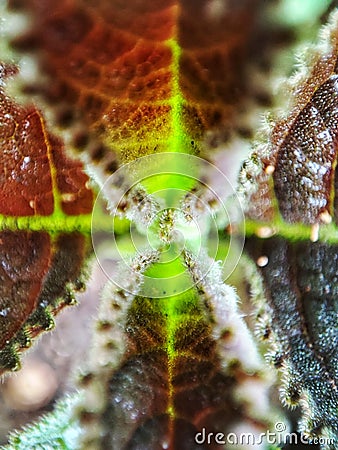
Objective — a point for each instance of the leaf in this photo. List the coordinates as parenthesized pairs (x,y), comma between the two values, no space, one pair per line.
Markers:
(293,186)
(302,151)
(27,188)
(117,79)
(144,77)
(55,430)
(43,201)
(301,288)
(164,369)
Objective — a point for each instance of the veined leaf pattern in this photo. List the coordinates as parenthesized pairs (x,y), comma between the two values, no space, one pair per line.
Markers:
(143,88)
(176,370)
(300,282)
(146,77)
(294,173)
(295,189)
(41,191)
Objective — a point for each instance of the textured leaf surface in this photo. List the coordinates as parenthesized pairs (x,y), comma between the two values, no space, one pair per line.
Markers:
(179,370)
(301,287)
(162,369)
(57,430)
(39,262)
(305,164)
(36,176)
(35,173)
(145,76)
(294,173)
(295,191)
(20,287)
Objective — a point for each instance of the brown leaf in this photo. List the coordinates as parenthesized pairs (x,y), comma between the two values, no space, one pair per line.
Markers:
(39,186)
(143,76)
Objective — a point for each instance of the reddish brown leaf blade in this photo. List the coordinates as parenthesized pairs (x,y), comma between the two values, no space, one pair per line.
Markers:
(24,262)
(37,281)
(177,385)
(215,45)
(69,253)
(72,182)
(157,432)
(116,63)
(28,156)
(134,89)
(38,269)
(138,396)
(301,288)
(25,179)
